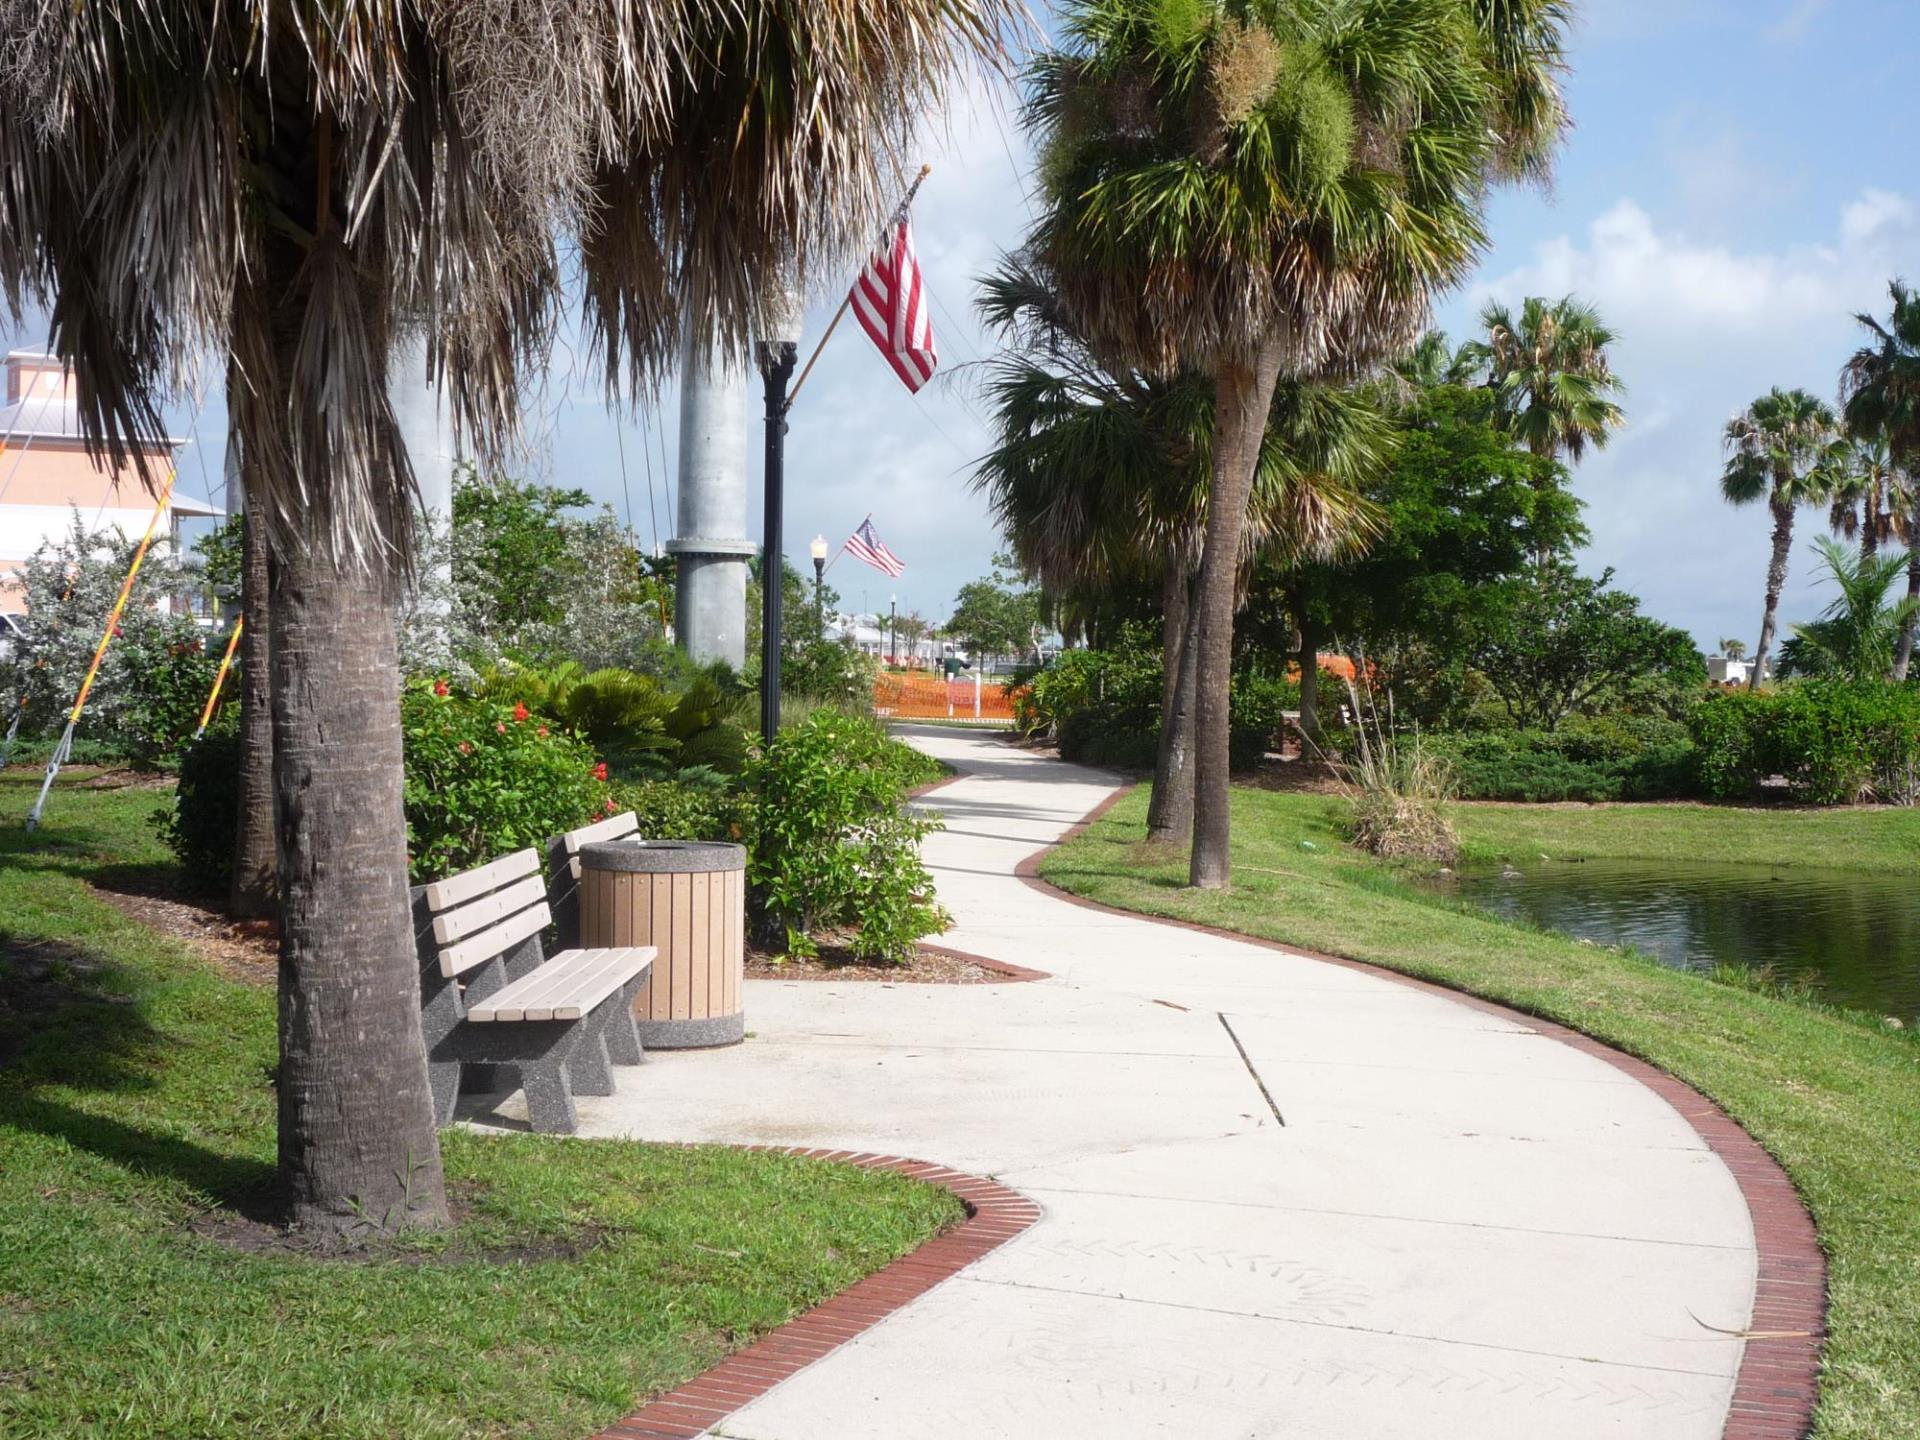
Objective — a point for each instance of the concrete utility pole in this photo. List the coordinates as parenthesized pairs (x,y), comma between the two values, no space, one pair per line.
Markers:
(711,546)
(427,431)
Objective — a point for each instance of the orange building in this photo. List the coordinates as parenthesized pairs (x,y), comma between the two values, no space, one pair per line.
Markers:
(46,474)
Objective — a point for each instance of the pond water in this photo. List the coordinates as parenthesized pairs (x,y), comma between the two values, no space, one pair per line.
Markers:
(1854,936)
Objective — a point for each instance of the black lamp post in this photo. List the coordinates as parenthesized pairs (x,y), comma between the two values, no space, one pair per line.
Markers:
(818,549)
(776,351)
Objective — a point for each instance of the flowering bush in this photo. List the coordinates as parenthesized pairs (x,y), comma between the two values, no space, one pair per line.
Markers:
(485,778)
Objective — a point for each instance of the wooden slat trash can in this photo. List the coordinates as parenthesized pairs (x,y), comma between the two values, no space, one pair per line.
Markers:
(689,899)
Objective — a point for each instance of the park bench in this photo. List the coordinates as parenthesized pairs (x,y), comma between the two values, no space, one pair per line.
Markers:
(563,869)
(489,995)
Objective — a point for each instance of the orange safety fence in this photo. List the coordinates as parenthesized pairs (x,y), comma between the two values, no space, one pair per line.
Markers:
(919,695)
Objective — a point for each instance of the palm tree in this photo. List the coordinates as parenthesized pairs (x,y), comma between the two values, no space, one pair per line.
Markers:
(1856,635)
(1866,489)
(1777,448)
(1880,390)
(1099,478)
(1734,649)
(297,189)
(1551,376)
(1256,191)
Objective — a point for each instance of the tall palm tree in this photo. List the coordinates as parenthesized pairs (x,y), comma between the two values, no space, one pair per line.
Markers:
(1258,191)
(1776,452)
(1880,390)
(1734,649)
(1867,490)
(1551,376)
(1099,477)
(295,189)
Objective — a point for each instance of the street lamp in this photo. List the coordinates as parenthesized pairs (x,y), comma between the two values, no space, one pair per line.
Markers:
(818,549)
(893,629)
(776,351)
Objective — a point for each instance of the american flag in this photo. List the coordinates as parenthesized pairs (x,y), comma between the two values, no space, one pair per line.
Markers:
(863,544)
(890,299)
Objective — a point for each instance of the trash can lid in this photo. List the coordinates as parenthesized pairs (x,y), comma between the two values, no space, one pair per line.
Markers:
(663,857)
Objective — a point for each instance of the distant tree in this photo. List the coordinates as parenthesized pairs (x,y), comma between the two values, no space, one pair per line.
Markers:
(1880,389)
(1866,490)
(1553,641)
(1779,448)
(999,615)
(1857,634)
(1552,378)
(1734,649)
(511,561)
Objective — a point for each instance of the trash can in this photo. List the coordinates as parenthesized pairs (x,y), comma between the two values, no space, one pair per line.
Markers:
(688,898)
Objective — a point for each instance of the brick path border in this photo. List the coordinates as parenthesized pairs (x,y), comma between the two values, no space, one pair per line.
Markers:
(995,1215)
(1777,1386)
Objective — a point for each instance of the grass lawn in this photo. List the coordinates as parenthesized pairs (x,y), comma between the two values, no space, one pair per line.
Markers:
(1870,839)
(136,1104)
(1834,1097)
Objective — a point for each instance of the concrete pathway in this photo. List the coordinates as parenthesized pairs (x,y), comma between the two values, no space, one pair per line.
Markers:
(1462,1229)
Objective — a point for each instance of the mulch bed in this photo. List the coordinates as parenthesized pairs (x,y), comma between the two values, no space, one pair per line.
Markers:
(243,950)
(929,966)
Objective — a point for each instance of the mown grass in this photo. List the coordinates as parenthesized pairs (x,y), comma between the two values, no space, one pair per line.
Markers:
(135,1096)
(1880,839)
(1834,1097)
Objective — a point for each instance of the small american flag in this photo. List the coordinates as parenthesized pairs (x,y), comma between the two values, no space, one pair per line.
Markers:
(890,299)
(863,544)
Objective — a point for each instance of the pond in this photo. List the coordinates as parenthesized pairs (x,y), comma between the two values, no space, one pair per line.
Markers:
(1853,935)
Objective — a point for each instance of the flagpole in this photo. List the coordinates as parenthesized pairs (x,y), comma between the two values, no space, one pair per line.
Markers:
(806,370)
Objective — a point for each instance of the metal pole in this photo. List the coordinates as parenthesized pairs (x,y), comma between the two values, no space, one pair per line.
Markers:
(776,368)
(893,629)
(819,611)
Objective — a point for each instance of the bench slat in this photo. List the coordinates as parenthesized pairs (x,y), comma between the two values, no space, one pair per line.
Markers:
(494,940)
(612,828)
(463,920)
(566,987)
(445,894)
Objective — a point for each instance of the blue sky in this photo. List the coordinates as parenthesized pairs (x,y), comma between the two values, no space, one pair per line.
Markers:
(1741,178)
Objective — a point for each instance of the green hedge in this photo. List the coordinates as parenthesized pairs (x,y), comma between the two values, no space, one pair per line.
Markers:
(1622,758)
(1833,742)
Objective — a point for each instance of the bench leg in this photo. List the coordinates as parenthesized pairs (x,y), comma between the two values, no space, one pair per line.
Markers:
(549,1096)
(443,1076)
(587,1067)
(621,1032)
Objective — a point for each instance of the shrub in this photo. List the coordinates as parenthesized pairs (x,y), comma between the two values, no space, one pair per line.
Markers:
(200,825)
(1398,790)
(484,778)
(169,690)
(834,671)
(1834,742)
(694,805)
(1610,758)
(833,847)
(644,725)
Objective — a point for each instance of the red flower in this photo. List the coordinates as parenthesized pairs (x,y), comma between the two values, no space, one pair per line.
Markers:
(520,713)
(600,771)
(440,687)
(466,747)
(500,727)
(609,805)
(541,732)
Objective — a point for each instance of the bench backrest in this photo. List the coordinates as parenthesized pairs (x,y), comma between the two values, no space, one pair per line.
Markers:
(563,869)
(481,913)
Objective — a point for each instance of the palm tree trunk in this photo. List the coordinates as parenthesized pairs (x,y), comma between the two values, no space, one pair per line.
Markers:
(1310,637)
(1903,652)
(1243,391)
(1170,811)
(1776,582)
(254,895)
(357,1140)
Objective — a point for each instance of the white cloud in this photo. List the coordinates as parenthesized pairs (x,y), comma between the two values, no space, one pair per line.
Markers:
(1705,328)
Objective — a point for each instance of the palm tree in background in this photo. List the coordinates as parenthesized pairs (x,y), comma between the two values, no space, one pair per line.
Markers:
(1880,391)
(1856,635)
(1249,192)
(1734,649)
(1867,492)
(1777,448)
(1552,378)
(294,195)
(1098,478)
